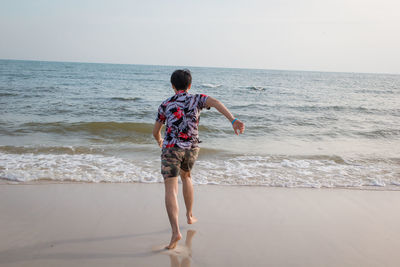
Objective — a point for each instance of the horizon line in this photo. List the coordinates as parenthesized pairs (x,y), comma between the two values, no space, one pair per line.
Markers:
(162,65)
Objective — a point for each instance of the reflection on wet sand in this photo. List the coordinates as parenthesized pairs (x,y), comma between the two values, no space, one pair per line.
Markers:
(181,256)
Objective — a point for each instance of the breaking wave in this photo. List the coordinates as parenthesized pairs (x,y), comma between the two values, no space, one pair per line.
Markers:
(210,85)
(275,171)
(126,98)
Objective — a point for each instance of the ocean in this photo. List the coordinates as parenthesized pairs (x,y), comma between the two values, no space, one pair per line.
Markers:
(87,122)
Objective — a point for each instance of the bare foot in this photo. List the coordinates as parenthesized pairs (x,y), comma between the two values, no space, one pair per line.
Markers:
(191,219)
(174,240)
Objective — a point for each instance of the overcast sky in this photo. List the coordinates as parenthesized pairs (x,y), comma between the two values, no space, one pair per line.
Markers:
(337,35)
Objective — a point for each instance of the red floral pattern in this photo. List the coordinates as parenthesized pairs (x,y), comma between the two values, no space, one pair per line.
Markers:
(181,114)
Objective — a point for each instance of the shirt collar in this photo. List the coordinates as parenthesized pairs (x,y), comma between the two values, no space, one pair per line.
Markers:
(180,92)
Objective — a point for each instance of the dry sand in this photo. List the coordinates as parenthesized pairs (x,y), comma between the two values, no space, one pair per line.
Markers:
(127,225)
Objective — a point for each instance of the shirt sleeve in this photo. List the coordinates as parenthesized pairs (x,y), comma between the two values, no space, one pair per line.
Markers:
(202,101)
(161,115)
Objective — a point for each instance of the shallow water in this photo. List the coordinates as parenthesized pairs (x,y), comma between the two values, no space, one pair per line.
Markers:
(93,122)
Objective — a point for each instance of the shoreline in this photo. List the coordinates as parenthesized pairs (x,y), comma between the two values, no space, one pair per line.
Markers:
(390,188)
(106,224)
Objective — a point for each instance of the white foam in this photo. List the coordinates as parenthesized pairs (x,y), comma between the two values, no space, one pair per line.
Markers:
(240,170)
(285,172)
(81,167)
(210,85)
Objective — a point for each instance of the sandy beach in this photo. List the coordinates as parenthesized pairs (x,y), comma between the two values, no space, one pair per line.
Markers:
(87,224)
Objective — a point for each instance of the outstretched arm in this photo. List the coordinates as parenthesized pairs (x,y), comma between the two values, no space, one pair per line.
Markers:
(157,133)
(238,126)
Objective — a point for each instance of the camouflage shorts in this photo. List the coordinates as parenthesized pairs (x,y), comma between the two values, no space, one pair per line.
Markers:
(175,159)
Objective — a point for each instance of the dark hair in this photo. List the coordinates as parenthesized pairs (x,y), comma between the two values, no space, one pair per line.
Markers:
(181,79)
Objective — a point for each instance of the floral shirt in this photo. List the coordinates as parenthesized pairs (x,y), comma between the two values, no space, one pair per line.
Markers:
(181,115)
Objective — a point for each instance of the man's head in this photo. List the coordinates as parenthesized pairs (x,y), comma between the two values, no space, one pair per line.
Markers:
(181,79)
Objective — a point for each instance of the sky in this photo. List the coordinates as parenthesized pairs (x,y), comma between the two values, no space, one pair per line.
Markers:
(318,35)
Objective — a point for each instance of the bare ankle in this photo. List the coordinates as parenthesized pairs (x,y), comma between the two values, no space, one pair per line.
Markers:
(174,240)
(190,218)
(175,233)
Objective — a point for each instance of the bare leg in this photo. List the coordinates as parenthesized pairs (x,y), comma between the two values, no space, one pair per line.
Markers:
(171,203)
(188,195)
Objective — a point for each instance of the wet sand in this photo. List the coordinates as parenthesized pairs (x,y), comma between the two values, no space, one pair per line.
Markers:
(126,225)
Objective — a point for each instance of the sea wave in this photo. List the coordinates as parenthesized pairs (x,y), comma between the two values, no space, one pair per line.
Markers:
(375,91)
(47,89)
(141,133)
(80,168)
(210,85)
(41,149)
(314,172)
(275,171)
(381,133)
(7,94)
(126,98)
(95,128)
(256,88)
(91,149)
